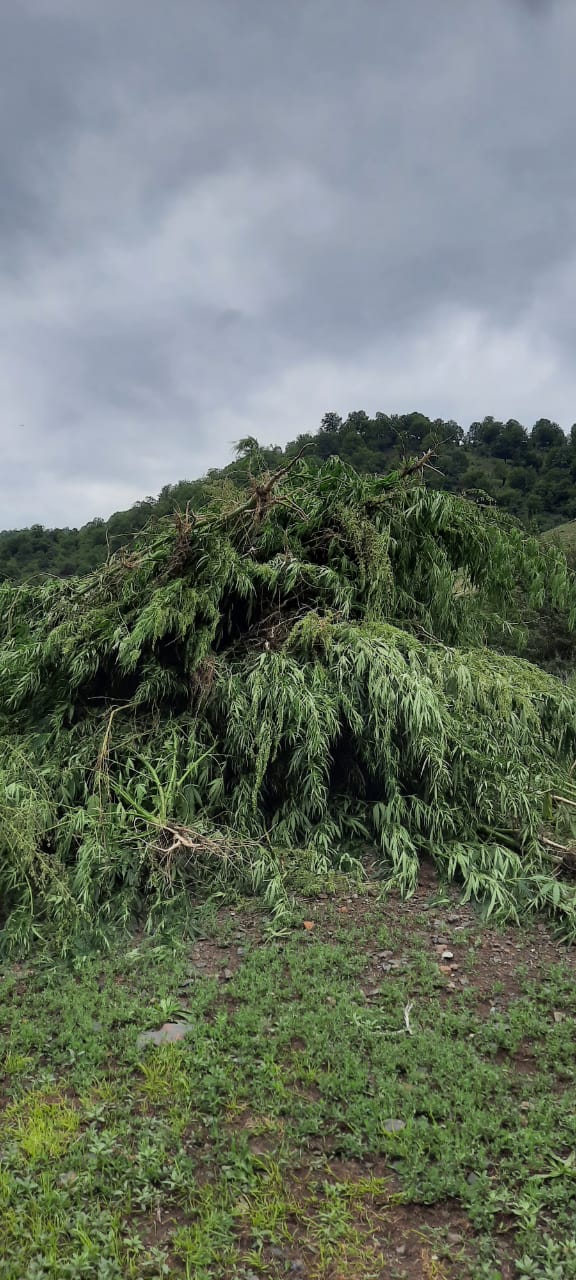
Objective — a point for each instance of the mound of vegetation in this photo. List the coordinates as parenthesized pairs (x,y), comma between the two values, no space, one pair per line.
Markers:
(291,676)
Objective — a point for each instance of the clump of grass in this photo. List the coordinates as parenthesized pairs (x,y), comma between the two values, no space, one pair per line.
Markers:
(42,1126)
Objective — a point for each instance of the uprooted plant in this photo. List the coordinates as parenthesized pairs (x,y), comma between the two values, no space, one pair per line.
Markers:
(292,676)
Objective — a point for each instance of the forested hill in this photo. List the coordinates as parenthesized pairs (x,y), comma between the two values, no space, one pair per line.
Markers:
(529,473)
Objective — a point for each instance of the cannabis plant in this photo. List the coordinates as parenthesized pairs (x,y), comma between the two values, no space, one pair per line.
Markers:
(309,673)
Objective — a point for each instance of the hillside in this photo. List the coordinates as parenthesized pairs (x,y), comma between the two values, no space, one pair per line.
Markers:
(529,474)
(564,533)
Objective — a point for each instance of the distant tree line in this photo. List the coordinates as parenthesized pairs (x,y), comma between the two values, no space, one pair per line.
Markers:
(529,473)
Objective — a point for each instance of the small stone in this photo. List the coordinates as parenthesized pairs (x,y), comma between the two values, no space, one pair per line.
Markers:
(169,1033)
(447,955)
(454,1237)
(471,1179)
(558,1017)
(297,1265)
(227,975)
(393,1126)
(401,1250)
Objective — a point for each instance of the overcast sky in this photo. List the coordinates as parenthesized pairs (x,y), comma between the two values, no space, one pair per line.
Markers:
(226,217)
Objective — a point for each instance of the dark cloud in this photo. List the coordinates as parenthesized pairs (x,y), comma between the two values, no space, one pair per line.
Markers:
(537,6)
(221,218)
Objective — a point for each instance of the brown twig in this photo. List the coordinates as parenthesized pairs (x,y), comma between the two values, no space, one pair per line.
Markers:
(419,465)
(283,471)
(551,844)
(259,499)
(565,800)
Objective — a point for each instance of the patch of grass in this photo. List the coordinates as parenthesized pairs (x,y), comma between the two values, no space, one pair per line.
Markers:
(563,533)
(264,1141)
(42,1126)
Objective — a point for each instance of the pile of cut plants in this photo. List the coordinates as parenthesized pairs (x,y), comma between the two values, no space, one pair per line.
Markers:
(321,670)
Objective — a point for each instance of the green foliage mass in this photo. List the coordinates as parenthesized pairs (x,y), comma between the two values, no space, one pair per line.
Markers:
(529,474)
(298,672)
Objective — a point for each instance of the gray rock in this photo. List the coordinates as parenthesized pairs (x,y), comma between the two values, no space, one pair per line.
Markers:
(169,1033)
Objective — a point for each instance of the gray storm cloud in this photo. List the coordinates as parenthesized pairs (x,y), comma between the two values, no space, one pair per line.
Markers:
(219,219)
